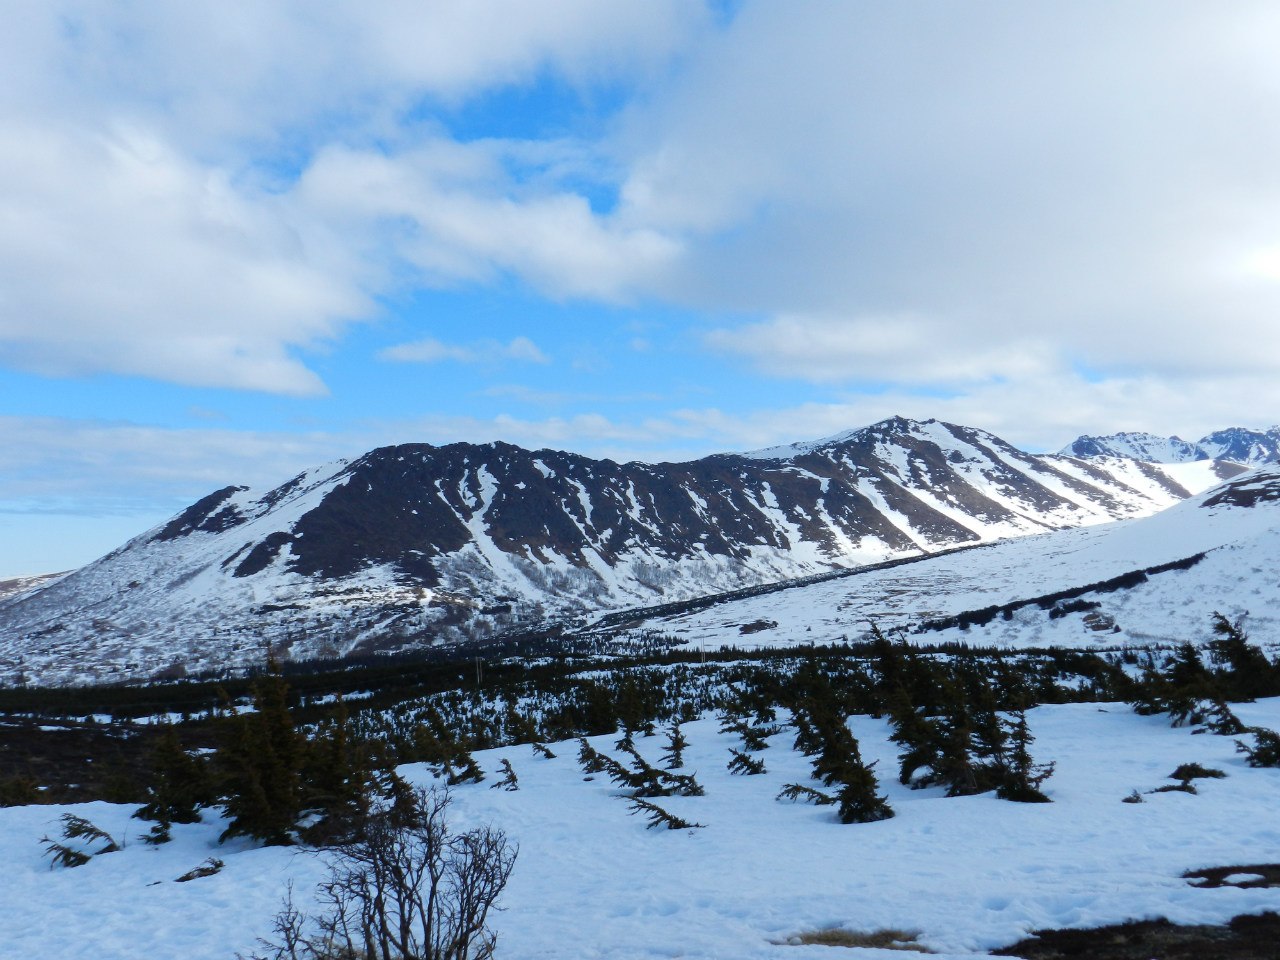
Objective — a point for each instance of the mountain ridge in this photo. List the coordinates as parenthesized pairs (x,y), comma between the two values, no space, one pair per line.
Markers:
(1236,444)
(415,545)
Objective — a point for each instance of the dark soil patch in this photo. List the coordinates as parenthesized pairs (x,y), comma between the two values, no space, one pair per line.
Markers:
(1263,874)
(1248,937)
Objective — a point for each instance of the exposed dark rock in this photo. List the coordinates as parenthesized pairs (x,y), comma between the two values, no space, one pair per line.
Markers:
(1249,937)
(204,515)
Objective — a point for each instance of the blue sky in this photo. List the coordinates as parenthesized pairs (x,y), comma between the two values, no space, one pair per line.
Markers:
(241,239)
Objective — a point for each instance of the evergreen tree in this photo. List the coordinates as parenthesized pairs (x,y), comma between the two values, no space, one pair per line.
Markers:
(1180,689)
(808,740)
(337,777)
(179,785)
(1021,775)
(839,763)
(645,780)
(1244,672)
(1220,719)
(658,817)
(858,800)
(590,759)
(797,791)
(744,764)
(261,762)
(509,779)
(676,742)
(1265,751)
(954,765)
(988,735)
(463,769)
(920,738)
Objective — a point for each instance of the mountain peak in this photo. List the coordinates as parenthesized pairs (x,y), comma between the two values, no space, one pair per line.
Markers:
(1237,444)
(414,545)
(881,429)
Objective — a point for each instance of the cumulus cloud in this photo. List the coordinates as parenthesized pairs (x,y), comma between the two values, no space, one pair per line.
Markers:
(1095,180)
(203,193)
(450,213)
(119,254)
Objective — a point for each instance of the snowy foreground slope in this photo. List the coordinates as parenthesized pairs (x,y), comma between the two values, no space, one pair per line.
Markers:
(1236,526)
(968,874)
(416,545)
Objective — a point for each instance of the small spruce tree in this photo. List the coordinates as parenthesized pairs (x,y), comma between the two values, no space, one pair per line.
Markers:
(509,779)
(179,785)
(1021,776)
(744,764)
(1265,749)
(676,743)
(261,763)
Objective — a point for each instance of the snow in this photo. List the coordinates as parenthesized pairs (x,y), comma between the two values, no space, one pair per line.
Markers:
(177,604)
(1139,446)
(968,874)
(1242,877)
(1240,574)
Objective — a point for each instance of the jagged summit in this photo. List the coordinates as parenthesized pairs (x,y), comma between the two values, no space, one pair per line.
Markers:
(1235,444)
(882,428)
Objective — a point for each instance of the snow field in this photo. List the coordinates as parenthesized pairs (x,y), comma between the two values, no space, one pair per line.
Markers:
(1241,573)
(968,873)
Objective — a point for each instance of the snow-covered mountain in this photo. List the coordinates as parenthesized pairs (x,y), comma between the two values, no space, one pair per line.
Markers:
(415,544)
(1236,444)
(14,586)
(1154,580)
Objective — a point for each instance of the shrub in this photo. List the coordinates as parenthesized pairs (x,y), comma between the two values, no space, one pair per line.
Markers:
(18,791)
(799,792)
(1265,751)
(407,889)
(78,829)
(744,764)
(1187,772)
(657,817)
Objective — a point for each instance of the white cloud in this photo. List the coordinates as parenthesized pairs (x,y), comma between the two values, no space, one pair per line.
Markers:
(1093,181)
(450,213)
(58,464)
(151,219)
(1037,415)
(904,349)
(118,254)
(918,195)
(485,352)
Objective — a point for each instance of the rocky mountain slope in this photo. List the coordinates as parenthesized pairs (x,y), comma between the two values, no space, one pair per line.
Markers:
(1153,580)
(1237,444)
(415,545)
(14,586)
